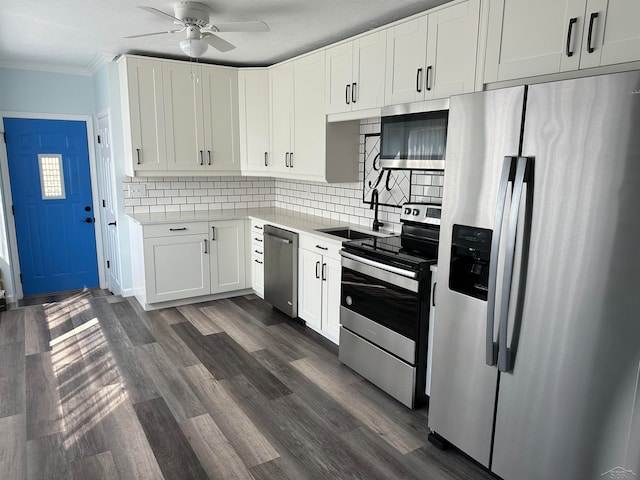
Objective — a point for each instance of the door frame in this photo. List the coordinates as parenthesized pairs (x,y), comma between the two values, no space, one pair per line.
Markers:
(17,293)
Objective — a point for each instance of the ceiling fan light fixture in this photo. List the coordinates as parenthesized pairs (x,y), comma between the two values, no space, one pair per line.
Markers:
(194,47)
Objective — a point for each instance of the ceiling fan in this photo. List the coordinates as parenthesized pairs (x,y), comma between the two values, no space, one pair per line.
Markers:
(194,18)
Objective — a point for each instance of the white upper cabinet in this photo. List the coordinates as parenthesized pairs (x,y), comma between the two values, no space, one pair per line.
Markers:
(142,114)
(281,103)
(355,74)
(255,135)
(537,38)
(433,56)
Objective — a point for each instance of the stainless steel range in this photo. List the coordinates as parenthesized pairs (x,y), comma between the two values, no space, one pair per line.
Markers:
(385,299)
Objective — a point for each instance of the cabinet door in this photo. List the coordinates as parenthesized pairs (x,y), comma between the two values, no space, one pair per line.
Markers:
(253,92)
(369,61)
(143,82)
(533,38)
(339,78)
(451,50)
(257,279)
(176,267)
(406,57)
(227,256)
(183,116)
(220,102)
(310,288)
(310,122)
(281,89)
(332,275)
(615,33)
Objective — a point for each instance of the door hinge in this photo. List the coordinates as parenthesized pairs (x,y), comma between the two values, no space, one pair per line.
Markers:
(99,139)
(108,264)
(4,136)
(13,211)
(20,279)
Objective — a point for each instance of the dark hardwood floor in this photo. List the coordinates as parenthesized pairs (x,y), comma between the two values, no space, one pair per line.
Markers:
(93,387)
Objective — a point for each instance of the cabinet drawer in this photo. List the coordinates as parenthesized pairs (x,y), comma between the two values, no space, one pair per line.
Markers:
(257,250)
(257,227)
(321,245)
(172,229)
(257,241)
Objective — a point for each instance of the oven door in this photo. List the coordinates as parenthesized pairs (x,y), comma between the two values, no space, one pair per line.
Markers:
(381,306)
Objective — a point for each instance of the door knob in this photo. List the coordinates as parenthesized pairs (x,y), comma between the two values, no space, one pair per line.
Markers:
(88,220)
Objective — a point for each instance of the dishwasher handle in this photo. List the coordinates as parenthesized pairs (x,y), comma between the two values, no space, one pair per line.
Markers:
(278,239)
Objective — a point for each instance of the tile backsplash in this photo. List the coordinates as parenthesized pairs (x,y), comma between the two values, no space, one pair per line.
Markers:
(342,201)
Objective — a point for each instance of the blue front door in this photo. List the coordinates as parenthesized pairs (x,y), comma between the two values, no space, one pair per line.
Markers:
(52,204)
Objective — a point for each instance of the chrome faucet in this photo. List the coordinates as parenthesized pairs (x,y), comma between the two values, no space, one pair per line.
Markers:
(374,206)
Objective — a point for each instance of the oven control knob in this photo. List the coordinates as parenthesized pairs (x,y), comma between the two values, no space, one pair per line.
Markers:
(349,300)
(416,212)
(407,211)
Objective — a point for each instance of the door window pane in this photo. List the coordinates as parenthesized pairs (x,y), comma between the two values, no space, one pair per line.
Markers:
(51,176)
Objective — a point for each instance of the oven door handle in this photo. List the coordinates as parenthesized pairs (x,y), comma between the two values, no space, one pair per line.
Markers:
(382,266)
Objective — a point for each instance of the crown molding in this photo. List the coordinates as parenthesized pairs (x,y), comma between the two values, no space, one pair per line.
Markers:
(92,67)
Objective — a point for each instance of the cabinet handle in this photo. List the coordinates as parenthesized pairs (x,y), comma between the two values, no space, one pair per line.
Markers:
(324,272)
(138,152)
(286,159)
(572,22)
(201,158)
(257,261)
(346,94)
(428,84)
(258,252)
(290,159)
(213,233)
(209,155)
(258,227)
(419,80)
(317,265)
(322,248)
(177,229)
(592,20)
(433,294)
(353,92)
(265,159)
(205,246)
(258,239)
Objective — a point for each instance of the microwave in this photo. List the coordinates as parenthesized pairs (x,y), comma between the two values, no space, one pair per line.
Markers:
(416,141)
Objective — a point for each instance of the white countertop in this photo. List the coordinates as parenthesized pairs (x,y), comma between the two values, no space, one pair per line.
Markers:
(280,217)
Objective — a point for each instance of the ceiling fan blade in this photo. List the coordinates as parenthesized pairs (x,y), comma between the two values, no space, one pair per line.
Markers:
(239,27)
(218,43)
(156,33)
(161,14)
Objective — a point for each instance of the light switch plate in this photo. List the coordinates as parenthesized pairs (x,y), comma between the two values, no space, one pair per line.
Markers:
(137,190)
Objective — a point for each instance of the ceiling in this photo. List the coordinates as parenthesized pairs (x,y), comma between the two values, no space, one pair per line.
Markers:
(79,35)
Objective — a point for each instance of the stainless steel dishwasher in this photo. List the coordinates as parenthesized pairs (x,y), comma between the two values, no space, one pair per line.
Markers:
(281,269)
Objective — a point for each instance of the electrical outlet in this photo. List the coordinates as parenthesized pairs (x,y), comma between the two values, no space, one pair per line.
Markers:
(137,190)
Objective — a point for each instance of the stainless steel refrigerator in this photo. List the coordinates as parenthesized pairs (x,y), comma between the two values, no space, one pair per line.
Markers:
(536,359)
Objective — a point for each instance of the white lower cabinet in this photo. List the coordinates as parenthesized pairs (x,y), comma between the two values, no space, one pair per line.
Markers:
(257,257)
(173,262)
(319,275)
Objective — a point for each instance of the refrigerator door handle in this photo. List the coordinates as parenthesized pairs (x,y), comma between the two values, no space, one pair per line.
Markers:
(505,178)
(504,354)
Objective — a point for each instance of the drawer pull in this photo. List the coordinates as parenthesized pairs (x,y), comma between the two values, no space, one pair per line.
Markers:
(322,248)
(258,252)
(258,227)
(258,261)
(258,240)
(177,229)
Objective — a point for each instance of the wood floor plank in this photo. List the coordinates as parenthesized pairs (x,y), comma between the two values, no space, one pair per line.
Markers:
(225,358)
(204,324)
(12,379)
(12,326)
(47,458)
(230,317)
(172,450)
(348,396)
(168,381)
(446,464)
(96,467)
(45,415)
(171,343)
(216,454)
(260,310)
(139,386)
(249,442)
(36,332)
(13,447)
(130,321)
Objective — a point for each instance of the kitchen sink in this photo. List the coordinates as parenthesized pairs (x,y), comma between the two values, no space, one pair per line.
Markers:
(347,233)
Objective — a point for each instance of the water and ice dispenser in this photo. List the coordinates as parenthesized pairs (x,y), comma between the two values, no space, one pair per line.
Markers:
(469,269)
